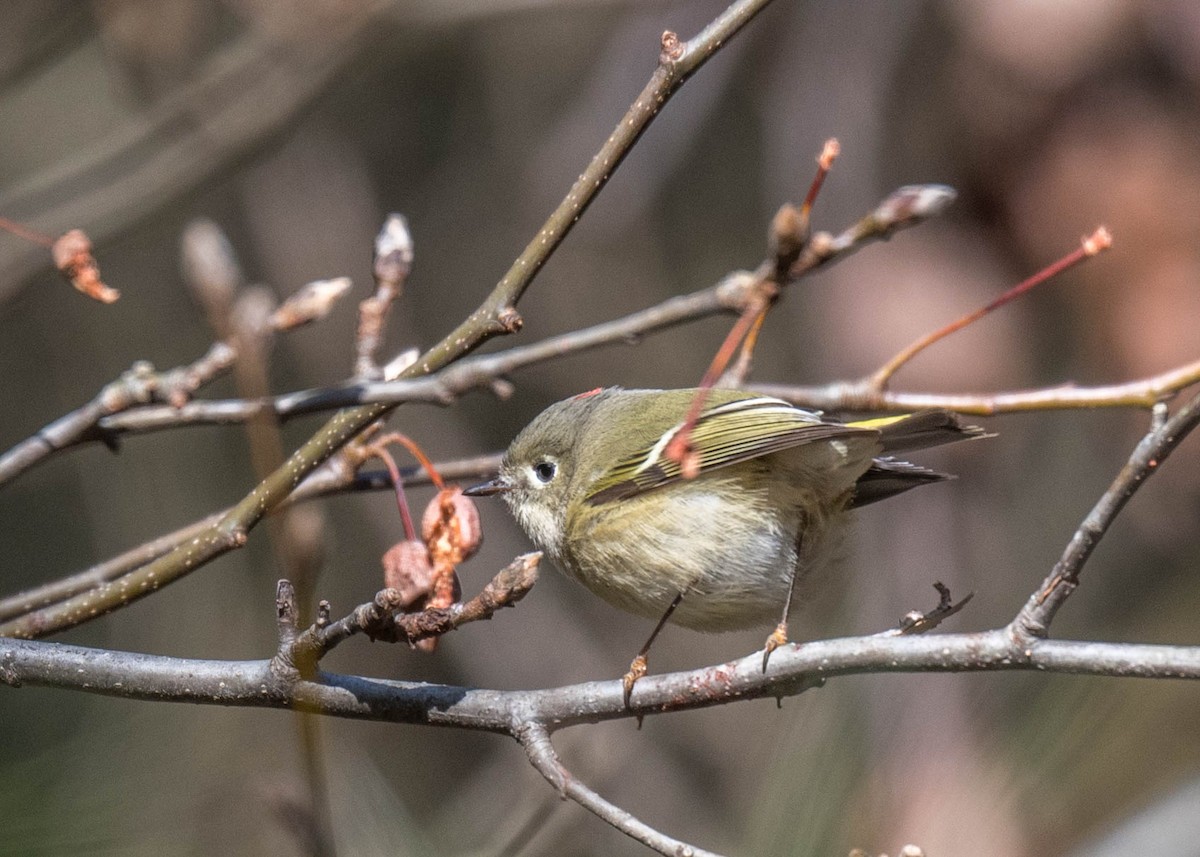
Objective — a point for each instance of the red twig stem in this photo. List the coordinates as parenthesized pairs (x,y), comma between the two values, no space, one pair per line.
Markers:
(22,231)
(1090,246)
(422,459)
(825,161)
(379,450)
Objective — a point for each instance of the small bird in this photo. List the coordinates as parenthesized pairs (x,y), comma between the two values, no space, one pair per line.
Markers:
(718,545)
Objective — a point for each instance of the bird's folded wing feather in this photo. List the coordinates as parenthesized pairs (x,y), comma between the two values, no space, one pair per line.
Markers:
(722,435)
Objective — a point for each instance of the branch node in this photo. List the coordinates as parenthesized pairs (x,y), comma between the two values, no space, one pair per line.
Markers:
(672,48)
(287,623)
(789,232)
(736,290)
(510,320)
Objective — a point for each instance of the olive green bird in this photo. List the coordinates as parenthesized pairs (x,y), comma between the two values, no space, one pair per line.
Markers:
(591,483)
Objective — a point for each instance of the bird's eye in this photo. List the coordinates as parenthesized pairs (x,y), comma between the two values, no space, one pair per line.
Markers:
(544,471)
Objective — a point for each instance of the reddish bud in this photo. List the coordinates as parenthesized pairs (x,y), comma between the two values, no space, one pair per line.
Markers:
(73,257)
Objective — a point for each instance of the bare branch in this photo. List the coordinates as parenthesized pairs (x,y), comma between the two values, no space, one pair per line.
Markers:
(393,262)
(243,93)
(1035,617)
(856,396)
(536,740)
(31,601)
(212,272)
(443,387)
(1095,243)
(794,668)
(139,385)
(380,618)
(311,302)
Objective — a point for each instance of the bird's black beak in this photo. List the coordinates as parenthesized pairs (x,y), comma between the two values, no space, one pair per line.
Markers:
(499,485)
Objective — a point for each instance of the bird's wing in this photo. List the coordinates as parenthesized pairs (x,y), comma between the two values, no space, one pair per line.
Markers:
(723,434)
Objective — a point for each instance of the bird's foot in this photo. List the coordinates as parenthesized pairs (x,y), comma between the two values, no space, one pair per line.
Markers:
(778,638)
(637,669)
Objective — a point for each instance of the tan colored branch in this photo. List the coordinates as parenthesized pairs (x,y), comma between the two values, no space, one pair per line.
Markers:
(858,396)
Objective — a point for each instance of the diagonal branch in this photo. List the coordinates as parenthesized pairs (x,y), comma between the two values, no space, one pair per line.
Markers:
(38,608)
(1098,242)
(535,738)
(1035,617)
(32,612)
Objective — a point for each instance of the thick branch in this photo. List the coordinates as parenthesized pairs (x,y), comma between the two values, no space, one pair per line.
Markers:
(793,669)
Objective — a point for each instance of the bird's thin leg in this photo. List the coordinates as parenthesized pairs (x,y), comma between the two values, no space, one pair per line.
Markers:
(780,635)
(637,668)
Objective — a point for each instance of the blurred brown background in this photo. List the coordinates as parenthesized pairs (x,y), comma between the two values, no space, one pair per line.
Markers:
(298,125)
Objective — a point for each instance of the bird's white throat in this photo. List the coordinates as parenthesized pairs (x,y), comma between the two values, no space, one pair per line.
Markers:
(542,523)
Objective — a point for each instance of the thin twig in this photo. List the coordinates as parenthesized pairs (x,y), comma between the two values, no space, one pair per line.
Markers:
(25,233)
(905,207)
(381,619)
(497,313)
(535,738)
(922,622)
(380,451)
(1037,614)
(829,154)
(855,396)
(137,386)
(1099,241)
(445,386)
(393,262)
(242,94)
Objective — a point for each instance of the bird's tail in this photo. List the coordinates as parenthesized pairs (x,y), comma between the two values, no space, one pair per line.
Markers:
(887,477)
(921,430)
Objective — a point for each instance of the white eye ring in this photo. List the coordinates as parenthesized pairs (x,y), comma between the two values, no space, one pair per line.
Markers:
(545,471)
